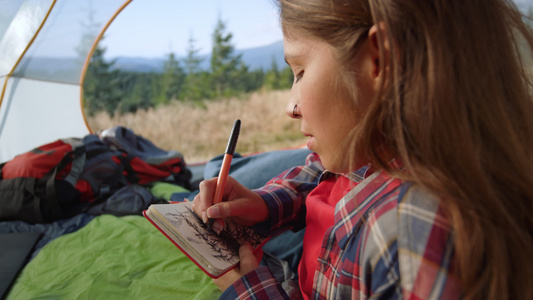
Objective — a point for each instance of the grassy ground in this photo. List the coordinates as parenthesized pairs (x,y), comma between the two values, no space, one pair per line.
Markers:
(201,132)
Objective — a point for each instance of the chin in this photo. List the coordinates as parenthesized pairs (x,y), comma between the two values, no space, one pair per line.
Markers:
(341,164)
(334,166)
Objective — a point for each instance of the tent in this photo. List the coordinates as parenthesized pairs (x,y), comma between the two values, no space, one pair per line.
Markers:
(41,92)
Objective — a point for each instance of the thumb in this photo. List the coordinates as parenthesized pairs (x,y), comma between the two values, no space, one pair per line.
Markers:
(214,212)
(222,210)
(248,259)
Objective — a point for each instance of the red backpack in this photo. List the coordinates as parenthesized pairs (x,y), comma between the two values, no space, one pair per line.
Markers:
(66,177)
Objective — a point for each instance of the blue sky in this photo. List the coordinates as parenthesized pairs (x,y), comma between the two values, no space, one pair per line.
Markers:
(153,28)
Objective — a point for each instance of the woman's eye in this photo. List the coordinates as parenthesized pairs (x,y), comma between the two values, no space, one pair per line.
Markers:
(299,76)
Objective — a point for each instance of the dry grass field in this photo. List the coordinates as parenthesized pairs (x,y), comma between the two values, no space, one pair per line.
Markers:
(200,132)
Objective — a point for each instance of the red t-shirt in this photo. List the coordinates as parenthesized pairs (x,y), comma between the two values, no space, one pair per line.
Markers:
(320,205)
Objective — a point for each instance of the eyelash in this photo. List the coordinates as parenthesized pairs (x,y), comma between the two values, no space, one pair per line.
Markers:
(299,76)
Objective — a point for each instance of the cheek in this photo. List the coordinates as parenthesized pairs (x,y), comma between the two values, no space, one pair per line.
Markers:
(316,101)
(365,93)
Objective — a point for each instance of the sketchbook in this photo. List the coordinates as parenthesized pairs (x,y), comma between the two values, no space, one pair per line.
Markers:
(214,253)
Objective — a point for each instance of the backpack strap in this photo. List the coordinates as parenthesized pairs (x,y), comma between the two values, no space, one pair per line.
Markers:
(30,187)
(76,157)
(131,175)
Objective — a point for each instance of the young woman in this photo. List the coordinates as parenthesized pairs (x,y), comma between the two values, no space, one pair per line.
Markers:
(420,186)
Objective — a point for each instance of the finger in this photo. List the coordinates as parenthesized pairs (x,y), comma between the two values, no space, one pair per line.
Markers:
(233,192)
(208,187)
(258,253)
(248,260)
(223,209)
(204,198)
(227,279)
(241,208)
(196,205)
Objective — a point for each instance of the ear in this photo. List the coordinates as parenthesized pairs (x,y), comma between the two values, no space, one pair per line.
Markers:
(379,51)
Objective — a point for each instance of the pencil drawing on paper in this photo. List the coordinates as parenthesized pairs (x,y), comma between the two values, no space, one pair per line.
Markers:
(223,247)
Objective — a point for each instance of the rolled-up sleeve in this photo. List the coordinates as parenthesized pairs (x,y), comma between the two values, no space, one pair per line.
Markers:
(285,195)
(257,284)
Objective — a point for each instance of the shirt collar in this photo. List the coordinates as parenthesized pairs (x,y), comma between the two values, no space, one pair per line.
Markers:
(356,176)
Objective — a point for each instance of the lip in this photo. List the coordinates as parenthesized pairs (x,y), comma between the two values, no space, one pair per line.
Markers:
(310,140)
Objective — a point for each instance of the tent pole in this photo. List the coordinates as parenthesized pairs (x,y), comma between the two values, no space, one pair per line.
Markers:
(89,56)
(10,74)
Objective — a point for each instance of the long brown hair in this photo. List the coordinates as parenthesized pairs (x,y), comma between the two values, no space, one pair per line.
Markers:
(456,110)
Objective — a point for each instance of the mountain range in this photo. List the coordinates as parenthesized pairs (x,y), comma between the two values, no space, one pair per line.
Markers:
(254,58)
(64,68)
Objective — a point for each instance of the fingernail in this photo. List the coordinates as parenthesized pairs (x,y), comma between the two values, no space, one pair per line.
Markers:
(213,212)
(218,225)
(204,217)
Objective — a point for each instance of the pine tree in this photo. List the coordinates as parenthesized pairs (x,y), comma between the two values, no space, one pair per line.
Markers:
(101,88)
(196,86)
(142,92)
(276,79)
(172,81)
(272,77)
(286,78)
(227,68)
(253,80)
(192,61)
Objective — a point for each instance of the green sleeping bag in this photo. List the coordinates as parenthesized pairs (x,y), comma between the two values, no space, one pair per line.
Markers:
(113,258)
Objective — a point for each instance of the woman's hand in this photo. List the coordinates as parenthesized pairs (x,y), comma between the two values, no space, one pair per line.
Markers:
(239,204)
(249,262)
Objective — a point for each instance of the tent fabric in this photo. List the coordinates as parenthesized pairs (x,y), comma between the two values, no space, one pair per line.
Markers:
(45,46)
(19,22)
(26,123)
(113,258)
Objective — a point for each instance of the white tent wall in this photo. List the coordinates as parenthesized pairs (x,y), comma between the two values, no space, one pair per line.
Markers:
(45,47)
(43,113)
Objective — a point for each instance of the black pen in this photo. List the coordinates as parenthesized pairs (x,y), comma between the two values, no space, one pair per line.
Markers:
(224,169)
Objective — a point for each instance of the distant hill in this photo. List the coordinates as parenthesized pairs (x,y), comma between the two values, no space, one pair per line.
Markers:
(254,58)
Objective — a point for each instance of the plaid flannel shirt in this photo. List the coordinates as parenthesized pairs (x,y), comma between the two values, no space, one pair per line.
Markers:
(390,240)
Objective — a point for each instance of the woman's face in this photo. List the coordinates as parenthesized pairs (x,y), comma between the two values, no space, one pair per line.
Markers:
(326,110)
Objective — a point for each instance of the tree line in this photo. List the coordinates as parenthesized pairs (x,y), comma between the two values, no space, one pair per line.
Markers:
(115,91)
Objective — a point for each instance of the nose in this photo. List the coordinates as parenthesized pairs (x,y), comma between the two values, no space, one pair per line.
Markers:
(289,109)
(292,110)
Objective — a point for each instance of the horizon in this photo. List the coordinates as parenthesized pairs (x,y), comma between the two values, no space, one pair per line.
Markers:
(163,57)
